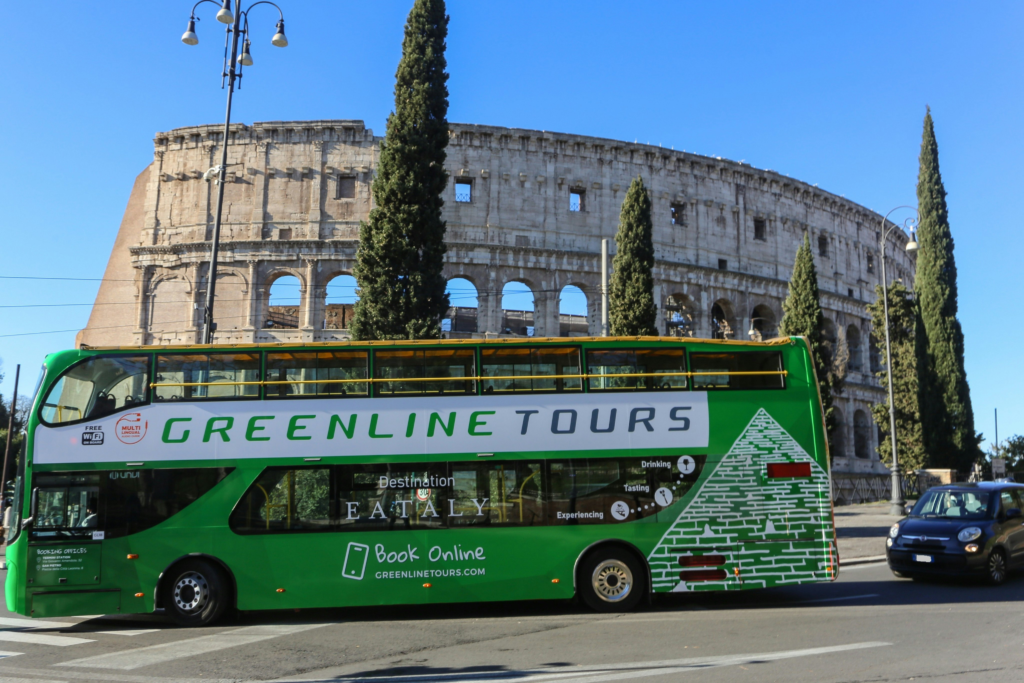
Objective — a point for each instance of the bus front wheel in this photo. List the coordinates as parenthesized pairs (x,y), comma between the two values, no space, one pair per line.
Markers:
(197,593)
(612,580)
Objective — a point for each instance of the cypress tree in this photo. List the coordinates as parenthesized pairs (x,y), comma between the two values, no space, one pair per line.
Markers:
(802,317)
(631,308)
(401,245)
(909,439)
(946,414)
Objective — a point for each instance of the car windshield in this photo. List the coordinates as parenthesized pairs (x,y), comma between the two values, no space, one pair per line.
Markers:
(953,505)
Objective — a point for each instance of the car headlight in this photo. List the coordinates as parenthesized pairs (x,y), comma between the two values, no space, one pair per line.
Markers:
(894,531)
(968,534)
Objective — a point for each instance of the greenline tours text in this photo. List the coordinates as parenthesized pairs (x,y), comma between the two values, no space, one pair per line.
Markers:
(305,427)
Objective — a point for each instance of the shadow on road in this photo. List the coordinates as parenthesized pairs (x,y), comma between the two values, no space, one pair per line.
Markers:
(884,590)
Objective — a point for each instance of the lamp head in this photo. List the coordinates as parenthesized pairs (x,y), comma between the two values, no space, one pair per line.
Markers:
(189,37)
(245,59)
(912,244)
(279,39)
(225,16)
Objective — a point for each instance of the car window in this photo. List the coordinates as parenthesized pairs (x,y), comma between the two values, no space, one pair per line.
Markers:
(1007,501)
(953,504)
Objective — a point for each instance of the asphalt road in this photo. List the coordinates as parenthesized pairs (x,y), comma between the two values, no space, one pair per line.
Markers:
(867,626)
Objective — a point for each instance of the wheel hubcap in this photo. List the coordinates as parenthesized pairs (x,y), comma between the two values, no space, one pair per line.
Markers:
(612,581)
(191,592)
(996,567)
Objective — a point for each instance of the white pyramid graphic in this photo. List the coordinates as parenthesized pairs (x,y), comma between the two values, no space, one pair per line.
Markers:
(770,531)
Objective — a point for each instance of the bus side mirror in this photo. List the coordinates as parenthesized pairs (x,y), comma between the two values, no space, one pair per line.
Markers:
(34,503)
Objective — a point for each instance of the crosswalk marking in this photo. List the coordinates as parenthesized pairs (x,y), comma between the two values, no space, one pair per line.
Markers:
(126,633)
(40,638)
(8,679)
(34,623)
(5,655)
(166,652)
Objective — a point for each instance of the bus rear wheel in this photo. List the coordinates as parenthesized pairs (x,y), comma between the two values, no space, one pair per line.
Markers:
(196,593)
(612,580)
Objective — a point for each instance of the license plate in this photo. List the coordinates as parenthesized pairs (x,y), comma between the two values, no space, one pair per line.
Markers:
(922,558)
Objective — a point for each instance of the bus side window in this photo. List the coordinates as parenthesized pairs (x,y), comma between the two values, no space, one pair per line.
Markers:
(202,376)
(418,372)
(530,369)
(97,387)
(636,369)
(136,500)
(726,370)
(497,494)
(392,497)
(337,374)
(285,499)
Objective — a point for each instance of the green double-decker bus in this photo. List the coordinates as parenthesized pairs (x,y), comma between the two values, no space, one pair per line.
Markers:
(202,479)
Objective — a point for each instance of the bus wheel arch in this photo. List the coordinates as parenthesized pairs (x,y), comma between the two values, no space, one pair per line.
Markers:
(221,573)
(612,549)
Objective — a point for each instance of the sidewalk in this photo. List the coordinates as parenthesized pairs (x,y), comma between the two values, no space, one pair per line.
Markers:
(861,530)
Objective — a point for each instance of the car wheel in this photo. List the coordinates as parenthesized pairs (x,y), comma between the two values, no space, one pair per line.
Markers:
(995,569)
(196,594)
(612,580)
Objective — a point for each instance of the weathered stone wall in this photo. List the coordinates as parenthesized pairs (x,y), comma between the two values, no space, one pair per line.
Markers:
(725,238)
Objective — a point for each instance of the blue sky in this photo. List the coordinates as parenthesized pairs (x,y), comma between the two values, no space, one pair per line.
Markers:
(830,93)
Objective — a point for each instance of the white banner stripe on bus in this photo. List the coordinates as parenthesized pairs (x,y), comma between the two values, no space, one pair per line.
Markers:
(223,430)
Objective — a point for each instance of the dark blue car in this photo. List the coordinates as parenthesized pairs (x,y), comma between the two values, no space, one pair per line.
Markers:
(961,529)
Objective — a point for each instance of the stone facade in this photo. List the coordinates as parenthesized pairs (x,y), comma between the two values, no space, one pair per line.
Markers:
(539,204)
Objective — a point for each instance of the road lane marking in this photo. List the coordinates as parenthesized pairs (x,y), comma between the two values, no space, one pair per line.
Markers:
(846,597)
(35,623)
(41,638)
(110,677)
(126,633)
(5,655)
(612,672)
(190,647)
(8,679)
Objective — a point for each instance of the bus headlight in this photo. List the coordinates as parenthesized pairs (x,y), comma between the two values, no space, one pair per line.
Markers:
(894,531)
(968,534)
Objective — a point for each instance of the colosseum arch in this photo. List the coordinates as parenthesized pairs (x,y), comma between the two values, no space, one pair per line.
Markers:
(517,308)
(861,435)
(334,301)
(461,320)
(680,313)
(853,343)
(573,312)
(763,323)
(723,320)
(232,300)
(838,435)
(283,299)
(170,305)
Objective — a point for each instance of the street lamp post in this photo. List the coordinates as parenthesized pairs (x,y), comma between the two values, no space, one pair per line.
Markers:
(238,26)
(896,504)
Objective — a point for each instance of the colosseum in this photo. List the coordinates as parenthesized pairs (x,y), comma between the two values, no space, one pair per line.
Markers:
(523,206)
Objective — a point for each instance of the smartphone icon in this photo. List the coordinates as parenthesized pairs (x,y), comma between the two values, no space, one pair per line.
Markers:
(355,561)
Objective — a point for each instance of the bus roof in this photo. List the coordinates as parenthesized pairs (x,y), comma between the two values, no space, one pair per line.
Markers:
(405,342)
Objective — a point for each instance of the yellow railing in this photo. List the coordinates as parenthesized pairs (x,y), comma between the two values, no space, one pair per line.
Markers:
(476,378)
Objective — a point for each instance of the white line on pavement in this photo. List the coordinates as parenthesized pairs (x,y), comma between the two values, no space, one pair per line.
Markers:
(166,652)
(846,597)
(40,638)
(612,672)
(125,633)
(112,677)
(34,623)
(8,679)
(5,655)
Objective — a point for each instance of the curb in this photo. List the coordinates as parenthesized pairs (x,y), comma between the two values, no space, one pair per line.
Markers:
(860,560)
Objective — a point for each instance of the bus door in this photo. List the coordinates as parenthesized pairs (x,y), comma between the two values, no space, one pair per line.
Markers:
(65,549)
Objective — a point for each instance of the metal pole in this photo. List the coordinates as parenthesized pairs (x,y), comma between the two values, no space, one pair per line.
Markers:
(897,504)
(212,274)
(997,433)
(10,430)
(604,288)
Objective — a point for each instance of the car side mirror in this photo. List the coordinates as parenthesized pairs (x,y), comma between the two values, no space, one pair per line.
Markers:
(1012,513)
